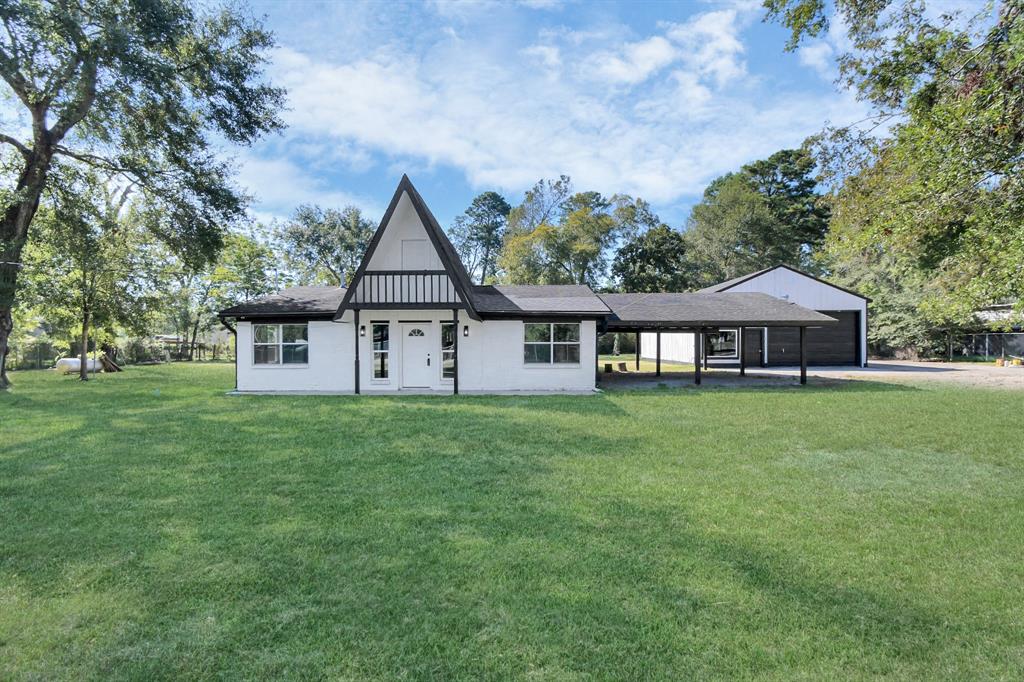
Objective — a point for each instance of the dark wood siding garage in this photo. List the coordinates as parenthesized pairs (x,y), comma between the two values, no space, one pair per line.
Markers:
(833,345)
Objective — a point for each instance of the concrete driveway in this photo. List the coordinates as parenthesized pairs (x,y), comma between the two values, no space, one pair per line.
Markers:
(982,375)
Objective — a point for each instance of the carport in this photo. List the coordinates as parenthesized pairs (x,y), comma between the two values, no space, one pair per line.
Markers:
(700,313)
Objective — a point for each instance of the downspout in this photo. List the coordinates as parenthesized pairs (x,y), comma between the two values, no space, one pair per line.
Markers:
(234,332)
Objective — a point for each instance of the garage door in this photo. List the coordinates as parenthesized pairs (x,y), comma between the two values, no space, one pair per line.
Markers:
(832,345)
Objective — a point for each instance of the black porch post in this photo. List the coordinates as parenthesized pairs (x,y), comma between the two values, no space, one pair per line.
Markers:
(657,355)
(696,358)
(704,349)
(355,326)
(741,340)
(803,355)
(455,360)
(638,351)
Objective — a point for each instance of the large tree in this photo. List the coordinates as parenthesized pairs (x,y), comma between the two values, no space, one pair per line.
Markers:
(654,261)
(729,231)
(557,237)
(949,90)
(325,245)
(139,89)
(478,234)
(85,263)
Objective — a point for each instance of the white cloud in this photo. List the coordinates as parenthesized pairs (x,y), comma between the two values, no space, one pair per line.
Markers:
(820,56)
(635,62)
(280,185)
(669,112)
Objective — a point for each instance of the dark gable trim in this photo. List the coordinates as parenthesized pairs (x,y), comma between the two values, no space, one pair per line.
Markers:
(453,265)
(281,318)
(755,275)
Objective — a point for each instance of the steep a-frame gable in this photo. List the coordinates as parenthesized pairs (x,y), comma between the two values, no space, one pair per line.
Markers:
(409,263)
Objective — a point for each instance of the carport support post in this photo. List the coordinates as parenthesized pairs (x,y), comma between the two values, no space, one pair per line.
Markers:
(355,326)
(704,349)
(741,340)
(455,353)
(638,351)
(657,355)
(803,355)
(696,359)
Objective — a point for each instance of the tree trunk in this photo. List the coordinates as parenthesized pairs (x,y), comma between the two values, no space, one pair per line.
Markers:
(195,335)
(17,216)
(83,370)
(483,267)
(615,345)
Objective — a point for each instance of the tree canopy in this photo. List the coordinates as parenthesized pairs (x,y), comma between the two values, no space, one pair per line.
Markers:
(478,234)
(654,261)
(139,90)
(325,245)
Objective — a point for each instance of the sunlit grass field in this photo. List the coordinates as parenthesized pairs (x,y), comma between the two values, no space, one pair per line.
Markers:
(152,527)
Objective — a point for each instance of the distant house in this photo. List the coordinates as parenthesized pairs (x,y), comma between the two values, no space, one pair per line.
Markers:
(412,321)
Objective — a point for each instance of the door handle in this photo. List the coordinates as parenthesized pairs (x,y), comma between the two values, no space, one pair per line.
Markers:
(428,359)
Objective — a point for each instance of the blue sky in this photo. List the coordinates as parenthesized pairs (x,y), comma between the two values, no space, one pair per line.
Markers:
(650,99)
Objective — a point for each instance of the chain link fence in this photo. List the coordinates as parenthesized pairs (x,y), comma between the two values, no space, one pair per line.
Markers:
(990,346)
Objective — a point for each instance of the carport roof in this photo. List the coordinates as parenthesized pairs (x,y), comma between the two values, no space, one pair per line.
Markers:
(696,310)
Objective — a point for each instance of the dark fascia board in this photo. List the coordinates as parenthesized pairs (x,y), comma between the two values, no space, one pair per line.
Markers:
(696,325)
(543,316)
(273,318)
(453,266)
(755,275)
(405,306)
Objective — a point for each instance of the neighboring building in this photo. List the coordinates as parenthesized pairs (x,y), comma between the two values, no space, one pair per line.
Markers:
(844,343)
(411,320)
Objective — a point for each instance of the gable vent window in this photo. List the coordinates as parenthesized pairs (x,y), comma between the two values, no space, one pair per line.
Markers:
(551,343)
(280,344)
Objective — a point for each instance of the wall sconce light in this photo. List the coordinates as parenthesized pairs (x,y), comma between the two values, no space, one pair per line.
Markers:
(465,330)
(362,330)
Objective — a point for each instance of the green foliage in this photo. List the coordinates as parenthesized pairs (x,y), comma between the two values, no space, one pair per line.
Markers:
(325,246)
(246,270)
(769,213)
(951,206)
(478,234)
(656,260)
(557,237)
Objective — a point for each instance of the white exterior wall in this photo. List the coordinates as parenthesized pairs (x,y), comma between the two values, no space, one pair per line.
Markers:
(490,358)
(675,346)
(329,368)
(404,224)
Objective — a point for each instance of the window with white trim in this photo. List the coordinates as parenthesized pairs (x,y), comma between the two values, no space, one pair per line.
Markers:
(381,350)
(447,350)
(280,344)
(722,344)
(551,343)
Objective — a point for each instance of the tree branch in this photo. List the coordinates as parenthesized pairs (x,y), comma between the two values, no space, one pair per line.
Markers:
(25,151)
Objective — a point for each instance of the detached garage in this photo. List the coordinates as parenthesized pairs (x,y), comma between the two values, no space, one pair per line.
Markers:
(843,343)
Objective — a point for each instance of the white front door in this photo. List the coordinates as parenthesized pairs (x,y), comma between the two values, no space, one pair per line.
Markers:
(417,352)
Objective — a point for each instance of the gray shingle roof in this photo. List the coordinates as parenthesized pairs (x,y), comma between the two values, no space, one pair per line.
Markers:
(291,301)
(708,310)
(538,299)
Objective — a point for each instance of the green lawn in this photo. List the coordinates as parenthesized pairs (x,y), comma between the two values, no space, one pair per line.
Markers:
(645,364)
(153,527)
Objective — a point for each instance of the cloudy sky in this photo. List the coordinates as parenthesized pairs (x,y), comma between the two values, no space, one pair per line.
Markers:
(651,99)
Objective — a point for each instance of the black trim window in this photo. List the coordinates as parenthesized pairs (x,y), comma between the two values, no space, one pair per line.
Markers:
(447,350)
(381,350)
(722,344)
(280,344)
(555,343)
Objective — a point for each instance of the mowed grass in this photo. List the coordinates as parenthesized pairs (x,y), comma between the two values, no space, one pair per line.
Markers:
(152,527)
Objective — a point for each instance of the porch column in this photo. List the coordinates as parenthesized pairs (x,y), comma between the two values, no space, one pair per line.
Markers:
(638,351)
(455,359)
(696,358)
(355,326)
(803,355)
(741,335)
(704,349)
(657,355)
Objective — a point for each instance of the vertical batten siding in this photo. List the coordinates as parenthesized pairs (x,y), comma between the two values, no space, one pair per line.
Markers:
(420,287)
